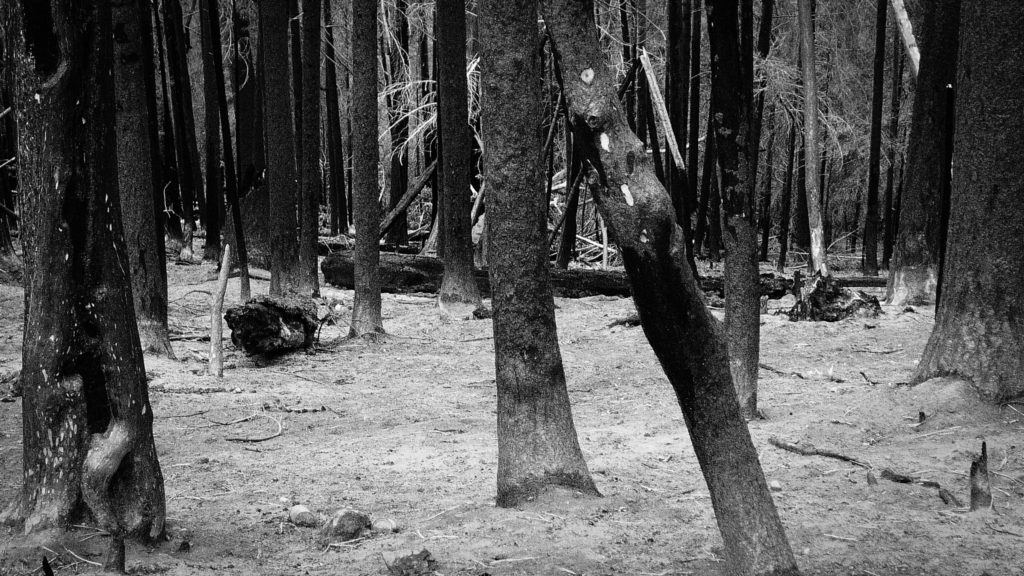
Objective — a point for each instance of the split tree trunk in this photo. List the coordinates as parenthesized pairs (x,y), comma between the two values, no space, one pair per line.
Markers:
(86,414)
(458,296)
(138,165)
(537,442)
(366,318)
(683,334)
(979,324)
(914,274)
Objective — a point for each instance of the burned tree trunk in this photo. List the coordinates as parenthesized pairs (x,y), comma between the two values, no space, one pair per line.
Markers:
(684,336)
(335,146)
(537,442)
(813,197)
(786,200)
(211,128)
(271,325)
(311,180)
(86,414)
(871,218)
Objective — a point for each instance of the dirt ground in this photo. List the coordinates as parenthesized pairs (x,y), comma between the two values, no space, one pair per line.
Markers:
(404,431)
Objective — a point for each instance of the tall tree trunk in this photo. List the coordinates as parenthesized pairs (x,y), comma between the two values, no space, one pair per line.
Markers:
(169,199)
(86,416)
(693,132)
(335,144)
(766,189)
(537,443)
(800,224)
(701,235)
(787,195)
(714,239)
(312,181)
(399,168)
(764,45)
(889,203)
(979,323)
(9,19)
(366,318)
(285,273)
(806,17)
(214,195)
(458,295)
(677,97)
(731,103)
(185,145)
(681,331)
(914,274)
(248,101)
(870,263)
(138,167)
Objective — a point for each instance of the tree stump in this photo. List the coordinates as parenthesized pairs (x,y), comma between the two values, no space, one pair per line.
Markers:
(272,325)
(823,299)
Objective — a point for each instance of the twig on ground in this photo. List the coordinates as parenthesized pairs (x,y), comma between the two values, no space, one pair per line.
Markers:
(442,513)
(781,372)
(263,438)
(870,381)
(812,451)
(200,413)
(937,432)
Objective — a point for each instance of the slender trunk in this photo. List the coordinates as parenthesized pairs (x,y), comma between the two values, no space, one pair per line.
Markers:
(766,190)
(677,96)
(458,295)
(335,146)
(399,168)
(889,203)
(764,44)
(537,442)
(693,132)
(870,264)
(366,315)
(714,213)
(907,35)
(137,167)
(248,107)
(806,17)
(800,226)
(169,199)
(707,173)
(312,179)
(214,195)
(786,200)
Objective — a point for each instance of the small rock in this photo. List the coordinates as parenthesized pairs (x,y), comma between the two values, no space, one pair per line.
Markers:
(185,546)
(909,310)
(775,486)
(302,516)
(872,481)
(869,326)
(420,564)
(384,526)
(344,525)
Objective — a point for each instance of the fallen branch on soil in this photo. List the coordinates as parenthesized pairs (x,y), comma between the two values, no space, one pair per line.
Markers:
(809,450)
(781,372)
(264,438)
(870,381)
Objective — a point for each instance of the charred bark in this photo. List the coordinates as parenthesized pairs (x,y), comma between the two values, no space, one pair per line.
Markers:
(269,325)
(211,126)
(870,263)
(311,181)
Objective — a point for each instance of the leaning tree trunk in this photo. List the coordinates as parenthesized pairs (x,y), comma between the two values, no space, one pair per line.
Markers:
(731,95)
(979,324)
(87,421)
(459,295)
(309,195)
(537,443)
(870,264)
(685,337)
(913,277)
(366,319)
(137,172)
(279,133)
(813,196)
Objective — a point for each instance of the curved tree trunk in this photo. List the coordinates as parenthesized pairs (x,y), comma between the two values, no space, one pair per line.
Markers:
(366,320)
(312,181)
(979,324)
(683,334)
(913,277)
(87,421)
(137,168)
(537,443)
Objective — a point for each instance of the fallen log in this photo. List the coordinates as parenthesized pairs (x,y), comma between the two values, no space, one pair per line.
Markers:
(823,299)
(272,325)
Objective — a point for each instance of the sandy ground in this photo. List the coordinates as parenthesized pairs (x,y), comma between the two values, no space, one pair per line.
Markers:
(404,430)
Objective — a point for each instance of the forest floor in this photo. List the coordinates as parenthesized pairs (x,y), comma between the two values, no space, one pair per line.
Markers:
(404,430)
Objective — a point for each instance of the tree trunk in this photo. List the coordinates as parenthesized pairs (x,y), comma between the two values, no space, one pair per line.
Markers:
(214,194)
(459,295)
(714,240)
(677,97)
(683,334)
(806,17)
(86,415)
(800,228)
(914,274)
(312,181)
(248,101)
(335,146)
(705,212)
(889,203)
(8,127)
(366,318)
(537,443)
(907,34)
(979,323)
(764,45)
(186,148)
(870,263)
(285,273)
(766,189)
(731,95)
(786,200)
(694,131)
(137,169)
(399,66)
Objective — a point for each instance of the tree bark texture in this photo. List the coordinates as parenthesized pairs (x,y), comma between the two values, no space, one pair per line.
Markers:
(335,145)
(309,195)
(979,324)
(366,319)
(459,295)
(137,170)
(806,18)
(914,274)
(685,337)
(87,421)
(211,127)
(279,135)
(871,217)
(537,442)
(731,103)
